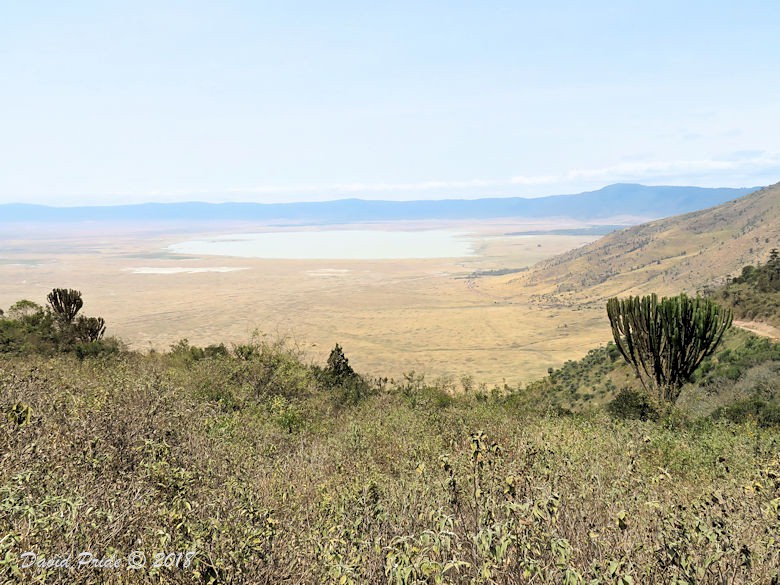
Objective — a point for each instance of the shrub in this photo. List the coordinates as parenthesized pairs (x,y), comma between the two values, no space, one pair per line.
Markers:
(89,329)
(630,404)
(101,347)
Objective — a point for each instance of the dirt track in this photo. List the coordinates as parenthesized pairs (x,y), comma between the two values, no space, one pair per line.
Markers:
(762,329)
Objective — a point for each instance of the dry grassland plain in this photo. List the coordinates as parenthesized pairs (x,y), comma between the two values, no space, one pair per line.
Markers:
(439,317)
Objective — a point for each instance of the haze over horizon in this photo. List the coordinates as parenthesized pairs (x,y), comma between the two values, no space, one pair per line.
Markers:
(114,104)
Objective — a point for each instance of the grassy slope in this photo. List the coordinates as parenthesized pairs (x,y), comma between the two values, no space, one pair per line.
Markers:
(270,479)
(682,253)
(744,368)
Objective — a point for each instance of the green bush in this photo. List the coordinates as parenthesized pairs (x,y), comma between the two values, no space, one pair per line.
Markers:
(98,348)
(29,328)
(631,404)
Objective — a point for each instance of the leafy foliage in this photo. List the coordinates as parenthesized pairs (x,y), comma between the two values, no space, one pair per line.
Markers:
(338,368)
(764,413)
(272,470)
(743,367)
(630,404)
(765,278)
(283,486)
(338,375)
(89,329)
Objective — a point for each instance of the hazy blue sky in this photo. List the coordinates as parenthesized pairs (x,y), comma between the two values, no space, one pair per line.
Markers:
(107,102)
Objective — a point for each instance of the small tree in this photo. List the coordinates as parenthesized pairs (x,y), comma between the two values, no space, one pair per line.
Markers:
(24,309)
(66,303)
(666,341)
(349,386)
(338,368)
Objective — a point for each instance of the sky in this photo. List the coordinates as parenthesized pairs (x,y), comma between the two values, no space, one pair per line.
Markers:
(125,102)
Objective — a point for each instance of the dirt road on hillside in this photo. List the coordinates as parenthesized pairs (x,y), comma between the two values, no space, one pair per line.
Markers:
(762,329)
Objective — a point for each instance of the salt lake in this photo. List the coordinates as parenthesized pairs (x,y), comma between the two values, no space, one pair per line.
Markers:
(334,245)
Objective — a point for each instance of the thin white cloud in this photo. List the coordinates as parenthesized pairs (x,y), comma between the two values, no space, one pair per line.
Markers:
(738,163)
(534,180)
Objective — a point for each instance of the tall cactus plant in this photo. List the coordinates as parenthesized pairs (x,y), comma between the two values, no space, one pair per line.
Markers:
(666,340)
(66,303)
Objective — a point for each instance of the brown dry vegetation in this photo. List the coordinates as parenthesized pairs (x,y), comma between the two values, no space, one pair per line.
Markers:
(268,476)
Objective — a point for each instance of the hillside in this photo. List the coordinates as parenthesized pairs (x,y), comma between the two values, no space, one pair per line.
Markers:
(741,381)
(250,466)
(681,253)
(613,201)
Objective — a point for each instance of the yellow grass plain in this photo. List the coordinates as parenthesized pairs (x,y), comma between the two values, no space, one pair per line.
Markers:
(390,316)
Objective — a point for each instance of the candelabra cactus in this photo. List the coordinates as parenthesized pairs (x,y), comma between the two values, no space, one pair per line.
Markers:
(66,303)
(89,329)
(666,340)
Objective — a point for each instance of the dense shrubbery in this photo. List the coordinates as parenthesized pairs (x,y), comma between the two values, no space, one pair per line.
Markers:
(746,367)
(632,404)
(732,362)
(341,380)
(762,412)
(764,277)
(251,463)
(590,371)
(580,384)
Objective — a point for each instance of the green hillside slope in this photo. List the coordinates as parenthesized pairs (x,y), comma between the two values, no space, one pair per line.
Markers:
(740,381)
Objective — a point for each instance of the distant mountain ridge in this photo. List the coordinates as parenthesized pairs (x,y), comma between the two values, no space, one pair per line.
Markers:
(614,200)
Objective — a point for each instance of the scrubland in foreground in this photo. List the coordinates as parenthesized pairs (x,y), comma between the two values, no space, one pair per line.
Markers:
(271,472)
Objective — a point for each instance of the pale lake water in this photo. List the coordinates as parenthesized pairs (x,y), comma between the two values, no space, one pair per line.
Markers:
(334,245)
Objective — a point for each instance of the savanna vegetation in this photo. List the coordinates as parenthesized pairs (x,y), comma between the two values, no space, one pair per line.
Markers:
(29,328)
(269,469)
